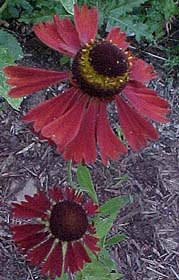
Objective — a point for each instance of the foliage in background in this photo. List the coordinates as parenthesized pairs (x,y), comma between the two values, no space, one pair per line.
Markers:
(33,11)
(144,19)
(10,51)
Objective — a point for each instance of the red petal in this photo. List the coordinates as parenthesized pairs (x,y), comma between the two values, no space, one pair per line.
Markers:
(151,106)
(78,149)
(38,254)
(38,202)
(118,38)
(140,71)
(56,194)
(48,111)
(140,88)
(86,22)
(66,127)
(91,229)
(54,263)
(22,232)
(69,193)
(135,128)
(32,241)
(68,32)
(91,208)
(91,241)
(81,255)
(110,145)
(24,211)
(26,80)
(48,34)
(70,260)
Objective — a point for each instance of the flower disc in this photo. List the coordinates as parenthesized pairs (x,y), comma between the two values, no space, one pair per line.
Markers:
(101,69)
(68,221)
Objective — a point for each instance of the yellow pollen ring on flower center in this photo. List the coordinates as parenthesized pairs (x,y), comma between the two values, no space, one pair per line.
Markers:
(91,76)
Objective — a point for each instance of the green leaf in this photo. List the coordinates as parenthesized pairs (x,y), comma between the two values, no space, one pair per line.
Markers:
(105,259)
(9,42)
(107,216)
(126,6)
(85,181)
(4,88)
(96,270)
(68,5)
(63,277)
(114,205)
(115,239)
(10,51)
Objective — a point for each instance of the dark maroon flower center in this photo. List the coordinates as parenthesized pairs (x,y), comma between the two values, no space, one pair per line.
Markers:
(108,60)
(68,221)
(101,69)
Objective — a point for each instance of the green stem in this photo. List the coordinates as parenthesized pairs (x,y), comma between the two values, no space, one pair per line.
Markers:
(4,6)
(70,178)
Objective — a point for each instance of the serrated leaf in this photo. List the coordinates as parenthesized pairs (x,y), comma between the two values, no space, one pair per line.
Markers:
(126,6)
(132,26)
(68,5)
(85,181)
(115,239)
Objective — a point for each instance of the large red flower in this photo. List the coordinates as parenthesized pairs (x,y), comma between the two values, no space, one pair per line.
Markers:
(103,71)
(62,217)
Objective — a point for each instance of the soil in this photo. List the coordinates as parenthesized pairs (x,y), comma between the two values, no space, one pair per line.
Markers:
(150,178)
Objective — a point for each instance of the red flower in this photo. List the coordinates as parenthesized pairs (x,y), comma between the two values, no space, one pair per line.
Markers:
(103,71)
(64,217)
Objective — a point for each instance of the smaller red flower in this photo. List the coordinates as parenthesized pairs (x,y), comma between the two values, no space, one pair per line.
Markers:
(62,217)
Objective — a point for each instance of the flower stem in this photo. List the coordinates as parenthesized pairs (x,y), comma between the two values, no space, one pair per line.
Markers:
(70,178)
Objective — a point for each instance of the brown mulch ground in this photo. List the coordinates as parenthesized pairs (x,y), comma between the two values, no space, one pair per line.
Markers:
(150,221)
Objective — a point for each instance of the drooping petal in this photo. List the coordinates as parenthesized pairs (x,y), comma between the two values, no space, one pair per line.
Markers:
(66,127)
(68,33)
(27,80)
(149,105)
(54,263)
(83,147)
(118,38)
(35,206)
(81,255)
(109,144)
(86,22)
(136,129)
(31,241)
(38,254)
(90,242)
(56,194)
(47,32)
(39,201)
(22,232)
(70,260)
(24,211)
(141,71)
(91,208)
(48,111)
